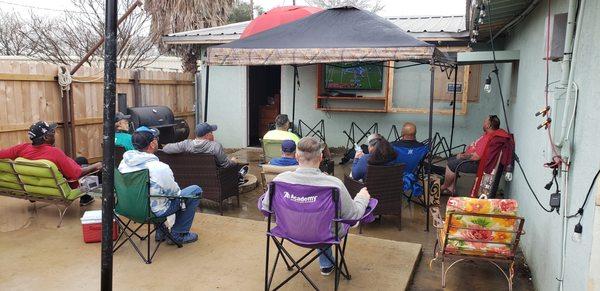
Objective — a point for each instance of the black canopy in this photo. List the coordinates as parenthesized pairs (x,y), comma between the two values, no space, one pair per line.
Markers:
(334,35)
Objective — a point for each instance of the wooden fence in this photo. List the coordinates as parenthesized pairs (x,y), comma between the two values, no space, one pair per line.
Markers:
(29,92)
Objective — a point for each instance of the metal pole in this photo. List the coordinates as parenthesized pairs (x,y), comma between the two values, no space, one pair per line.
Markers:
(294,94)
(108,153)
(206,94)
(453,107)
(430,159)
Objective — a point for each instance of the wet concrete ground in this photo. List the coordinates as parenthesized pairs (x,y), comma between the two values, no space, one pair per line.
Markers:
(470,275)
(464,276)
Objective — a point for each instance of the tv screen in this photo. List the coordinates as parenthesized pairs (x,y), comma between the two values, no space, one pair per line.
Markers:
(354,76)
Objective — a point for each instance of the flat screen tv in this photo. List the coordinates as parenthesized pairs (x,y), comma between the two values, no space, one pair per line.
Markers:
(354,76)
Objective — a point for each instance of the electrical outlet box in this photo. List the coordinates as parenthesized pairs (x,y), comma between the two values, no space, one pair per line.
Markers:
(555,200)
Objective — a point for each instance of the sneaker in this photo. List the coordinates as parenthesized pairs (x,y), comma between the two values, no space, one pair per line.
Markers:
(244,170)
(160,236)
(86,200)
(185,238)
(327,271)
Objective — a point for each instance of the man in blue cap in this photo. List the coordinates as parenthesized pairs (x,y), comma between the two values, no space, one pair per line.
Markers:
(288,154)
(183,202)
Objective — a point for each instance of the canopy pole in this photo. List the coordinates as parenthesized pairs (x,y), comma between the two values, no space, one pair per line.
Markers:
(108,151)
(453,107)
(206,94)
(294,94)
(430,159)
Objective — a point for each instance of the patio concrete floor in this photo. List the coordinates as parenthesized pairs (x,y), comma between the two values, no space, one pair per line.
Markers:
(34,254)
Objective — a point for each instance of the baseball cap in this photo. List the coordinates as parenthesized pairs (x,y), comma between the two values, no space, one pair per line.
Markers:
(288,146)
(120,116)
(143,136)
(204,128)
(39,129)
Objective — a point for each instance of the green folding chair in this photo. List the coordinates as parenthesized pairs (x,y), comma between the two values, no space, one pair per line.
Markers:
(132,192)
(271,149)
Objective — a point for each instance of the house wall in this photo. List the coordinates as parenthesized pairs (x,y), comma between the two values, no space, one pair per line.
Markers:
(542,242)
(228,99)
(227,104)
(467,127)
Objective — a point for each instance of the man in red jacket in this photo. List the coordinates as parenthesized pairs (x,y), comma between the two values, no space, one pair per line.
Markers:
(42,148)
(468,161)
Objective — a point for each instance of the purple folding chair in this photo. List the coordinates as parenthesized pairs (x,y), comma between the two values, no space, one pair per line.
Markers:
(307,216)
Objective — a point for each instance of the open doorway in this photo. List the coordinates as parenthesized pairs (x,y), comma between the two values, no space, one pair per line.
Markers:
(264,100)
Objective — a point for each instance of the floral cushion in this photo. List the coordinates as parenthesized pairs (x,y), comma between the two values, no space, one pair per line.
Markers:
(477,234)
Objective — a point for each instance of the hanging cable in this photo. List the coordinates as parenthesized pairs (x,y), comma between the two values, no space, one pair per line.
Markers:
(529,185)
(587,196)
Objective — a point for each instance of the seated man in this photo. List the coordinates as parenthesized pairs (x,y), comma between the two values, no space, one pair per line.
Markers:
(408,138)
(309,156)
(145,141)
(281,131)
(42,148)
(122,135)
(205,143)
(468,161)
(288,154)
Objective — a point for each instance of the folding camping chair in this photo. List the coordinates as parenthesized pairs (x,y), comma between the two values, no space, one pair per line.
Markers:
(317,131)
(132,192)
(307,216)
(271,149)
(412,158)
(362,134)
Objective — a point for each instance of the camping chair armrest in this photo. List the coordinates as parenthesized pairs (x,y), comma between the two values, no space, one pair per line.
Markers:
(367,216)
(260,200)
(174,196)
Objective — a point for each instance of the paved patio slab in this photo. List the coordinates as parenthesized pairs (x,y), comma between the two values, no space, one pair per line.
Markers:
(228,256)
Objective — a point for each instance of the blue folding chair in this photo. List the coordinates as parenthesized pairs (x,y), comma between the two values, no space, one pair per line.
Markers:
(412,158)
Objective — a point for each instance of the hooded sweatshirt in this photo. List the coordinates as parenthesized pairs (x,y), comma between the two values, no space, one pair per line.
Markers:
(200,146)
(162,181)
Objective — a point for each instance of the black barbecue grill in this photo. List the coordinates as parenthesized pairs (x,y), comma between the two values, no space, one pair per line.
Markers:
(160,117)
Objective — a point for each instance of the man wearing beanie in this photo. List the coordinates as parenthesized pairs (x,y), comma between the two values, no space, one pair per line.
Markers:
(182,202)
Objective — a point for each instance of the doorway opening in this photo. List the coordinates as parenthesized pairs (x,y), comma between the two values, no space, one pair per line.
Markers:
(264,100)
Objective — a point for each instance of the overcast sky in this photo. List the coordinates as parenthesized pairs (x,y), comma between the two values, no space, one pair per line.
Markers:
(392,7)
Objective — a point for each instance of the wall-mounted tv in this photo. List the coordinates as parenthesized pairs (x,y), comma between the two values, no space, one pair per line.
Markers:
(354,76)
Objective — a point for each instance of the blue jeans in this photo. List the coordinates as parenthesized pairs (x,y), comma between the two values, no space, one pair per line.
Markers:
(323,261)
(184,217)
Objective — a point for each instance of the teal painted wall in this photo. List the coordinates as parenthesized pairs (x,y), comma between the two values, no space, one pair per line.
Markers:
(407,82)
(542,243)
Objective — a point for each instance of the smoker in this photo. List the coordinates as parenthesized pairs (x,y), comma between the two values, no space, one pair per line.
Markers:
(161,118)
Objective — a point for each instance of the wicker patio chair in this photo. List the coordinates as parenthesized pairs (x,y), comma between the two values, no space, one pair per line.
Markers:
(385,183)
(217,183)
(479,229)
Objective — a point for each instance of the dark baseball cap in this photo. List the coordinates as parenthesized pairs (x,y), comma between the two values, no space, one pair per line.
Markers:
(120,116)
(204,128)
(143,136)
(288,146)
(40,128)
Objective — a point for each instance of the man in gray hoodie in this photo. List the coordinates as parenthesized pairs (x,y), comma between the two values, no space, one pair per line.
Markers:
(204,143)
(309,155)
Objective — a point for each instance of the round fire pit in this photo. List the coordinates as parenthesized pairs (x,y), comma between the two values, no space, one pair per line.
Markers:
(250,184)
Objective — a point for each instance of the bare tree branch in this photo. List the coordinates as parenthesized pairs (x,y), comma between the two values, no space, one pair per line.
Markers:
(370,5)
